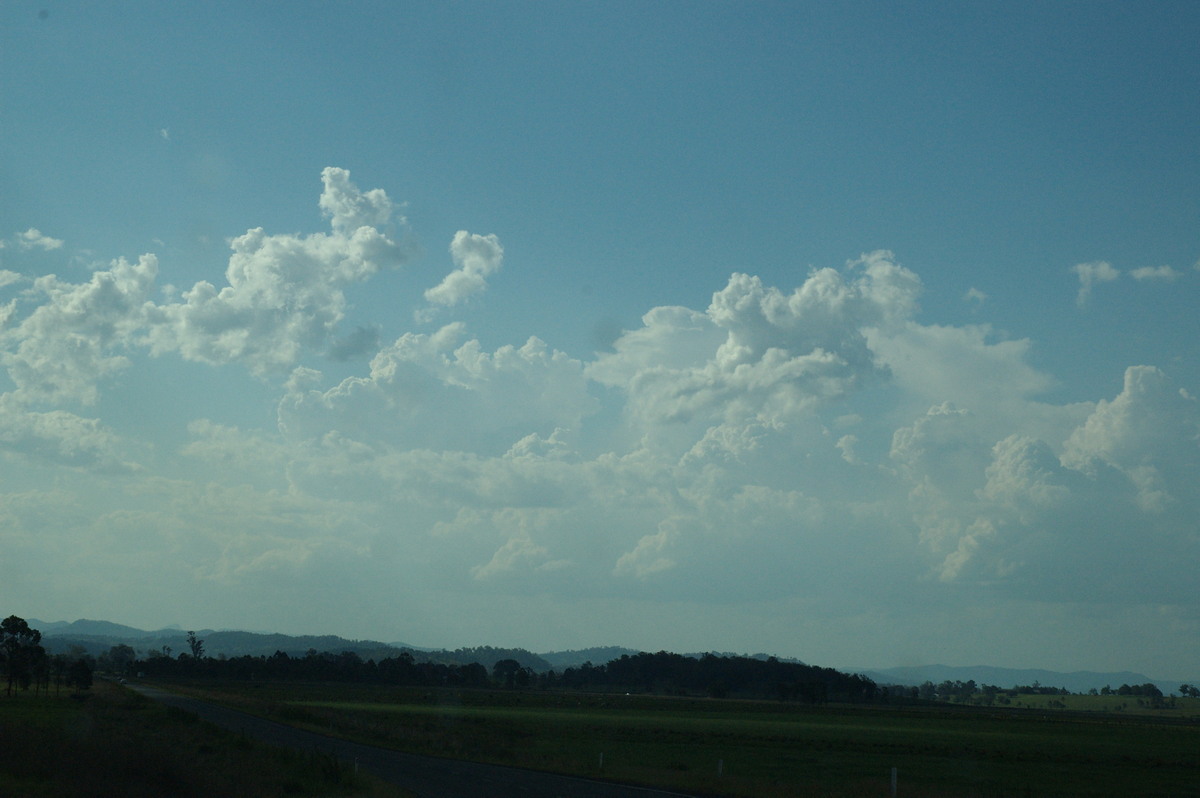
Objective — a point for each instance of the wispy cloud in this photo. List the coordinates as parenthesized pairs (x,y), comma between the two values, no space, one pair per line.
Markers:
(1091,274)
(1161,273)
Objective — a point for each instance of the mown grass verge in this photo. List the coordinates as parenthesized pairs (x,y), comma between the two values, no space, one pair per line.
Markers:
(761,749)
(111,741)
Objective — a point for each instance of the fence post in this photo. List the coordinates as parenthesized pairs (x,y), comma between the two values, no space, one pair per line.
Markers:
(893,783)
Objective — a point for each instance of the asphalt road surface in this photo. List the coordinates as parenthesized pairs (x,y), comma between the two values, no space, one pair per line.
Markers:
(425,776)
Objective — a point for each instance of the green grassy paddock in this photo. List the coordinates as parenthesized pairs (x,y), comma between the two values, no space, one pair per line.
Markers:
(1169,707)
(761,749)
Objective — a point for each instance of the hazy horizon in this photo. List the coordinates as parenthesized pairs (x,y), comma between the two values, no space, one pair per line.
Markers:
(862,334)
(201,631)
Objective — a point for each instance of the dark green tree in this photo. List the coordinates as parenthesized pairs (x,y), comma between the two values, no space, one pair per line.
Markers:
(507,672)
(196,644)
(119,659)
(19,651)
(79,674)
(58,670)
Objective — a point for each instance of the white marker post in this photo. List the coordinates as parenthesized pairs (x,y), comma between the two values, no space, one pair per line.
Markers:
(893,783)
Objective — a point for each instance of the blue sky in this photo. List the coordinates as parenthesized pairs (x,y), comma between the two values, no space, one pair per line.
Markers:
(862,333)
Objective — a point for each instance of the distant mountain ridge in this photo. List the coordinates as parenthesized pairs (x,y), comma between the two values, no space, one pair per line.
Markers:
(86,628)
(598,655)
(1075,682)
(97,637)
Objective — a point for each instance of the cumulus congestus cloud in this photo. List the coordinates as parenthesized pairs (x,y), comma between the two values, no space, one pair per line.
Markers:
(733,467)
(1059,517)
(809,442)
(284,293)
(756,353)
(67,344)
(61,340)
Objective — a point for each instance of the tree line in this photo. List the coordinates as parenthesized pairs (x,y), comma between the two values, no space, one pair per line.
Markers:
(1148,689)
(661,673)
(958,691)
(25,663)
(347,666)
(968,692)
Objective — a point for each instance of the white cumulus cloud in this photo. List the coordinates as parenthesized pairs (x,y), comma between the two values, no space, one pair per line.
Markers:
(758,353)
(284,293)
(65,346)
(475,258)
(1150,432)
(1046,517)
(36,239)
(810,442)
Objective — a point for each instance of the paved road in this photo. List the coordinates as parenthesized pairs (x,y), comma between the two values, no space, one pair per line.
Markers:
(425,776)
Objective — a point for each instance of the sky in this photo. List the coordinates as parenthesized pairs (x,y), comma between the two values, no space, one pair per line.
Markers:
(861,333)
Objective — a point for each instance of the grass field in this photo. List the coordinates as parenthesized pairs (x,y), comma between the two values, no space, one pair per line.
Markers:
(765,749)
(1120,704)
(113,742)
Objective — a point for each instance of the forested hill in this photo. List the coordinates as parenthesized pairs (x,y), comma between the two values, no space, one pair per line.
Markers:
(722,676)
(576,657)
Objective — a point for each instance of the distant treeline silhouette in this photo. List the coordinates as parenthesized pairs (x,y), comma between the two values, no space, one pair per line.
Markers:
(662,673)
(721,676)
(969,692)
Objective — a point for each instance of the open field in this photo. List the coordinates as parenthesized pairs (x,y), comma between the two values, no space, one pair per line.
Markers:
(1169,707)
(738,748)
(115,742)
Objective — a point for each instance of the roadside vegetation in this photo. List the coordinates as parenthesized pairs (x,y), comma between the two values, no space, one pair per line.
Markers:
(107,740)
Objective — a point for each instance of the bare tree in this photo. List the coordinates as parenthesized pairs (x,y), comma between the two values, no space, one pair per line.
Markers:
(196,644)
